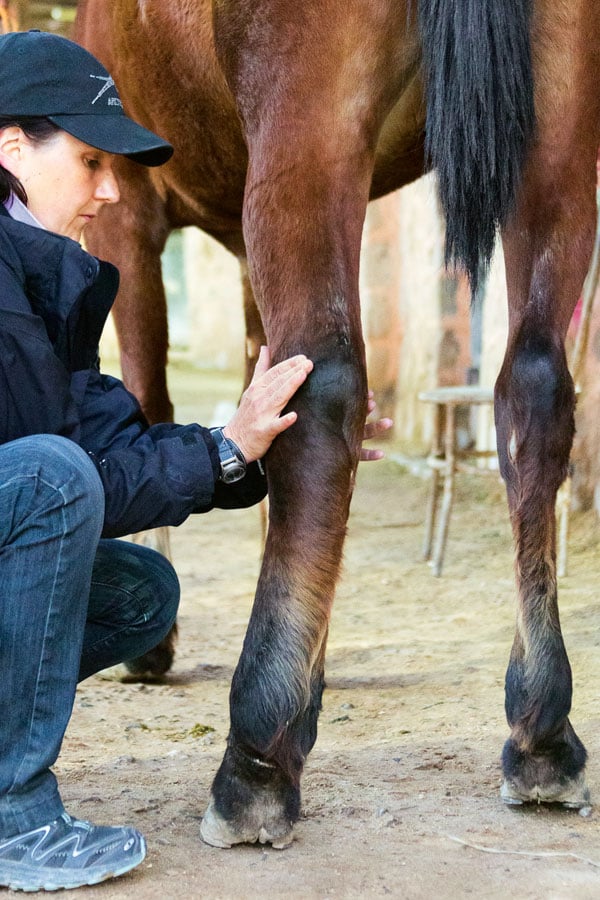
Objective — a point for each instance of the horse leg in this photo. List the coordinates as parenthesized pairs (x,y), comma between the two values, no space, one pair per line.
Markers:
(255,338)
(255,332)
(306,194)
(543,758)
(547,249)
(132,235)
(276,690)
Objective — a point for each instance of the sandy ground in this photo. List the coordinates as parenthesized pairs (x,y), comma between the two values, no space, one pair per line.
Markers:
(400,794)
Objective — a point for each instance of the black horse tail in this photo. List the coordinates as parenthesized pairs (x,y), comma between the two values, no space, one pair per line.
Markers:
(480,116)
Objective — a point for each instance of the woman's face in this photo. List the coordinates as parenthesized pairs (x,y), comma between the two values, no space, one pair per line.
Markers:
(67,182)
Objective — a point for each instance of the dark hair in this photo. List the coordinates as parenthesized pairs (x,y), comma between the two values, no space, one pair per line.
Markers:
(38,129)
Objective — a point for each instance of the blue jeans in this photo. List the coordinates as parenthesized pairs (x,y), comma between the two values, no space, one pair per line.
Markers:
(70,605)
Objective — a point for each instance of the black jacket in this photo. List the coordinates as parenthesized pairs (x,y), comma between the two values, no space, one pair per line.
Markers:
(54,300)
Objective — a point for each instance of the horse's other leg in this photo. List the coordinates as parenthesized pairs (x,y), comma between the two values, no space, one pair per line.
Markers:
(132,235)
(547,249)
(255,338)
(255,332)
(306,195)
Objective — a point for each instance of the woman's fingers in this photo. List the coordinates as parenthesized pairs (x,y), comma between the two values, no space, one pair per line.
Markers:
(370,455)
(257,421)
(371,430)
(262,364)
(380,426)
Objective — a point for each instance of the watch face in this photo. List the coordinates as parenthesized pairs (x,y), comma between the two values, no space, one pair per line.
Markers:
(233,471)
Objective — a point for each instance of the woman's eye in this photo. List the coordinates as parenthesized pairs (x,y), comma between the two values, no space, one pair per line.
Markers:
(92,163)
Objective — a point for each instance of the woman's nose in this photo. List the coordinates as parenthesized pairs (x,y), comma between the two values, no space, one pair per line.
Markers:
(108,189)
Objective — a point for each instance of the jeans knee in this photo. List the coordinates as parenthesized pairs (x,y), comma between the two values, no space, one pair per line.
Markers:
(164,590)
(143,579)
(56,478)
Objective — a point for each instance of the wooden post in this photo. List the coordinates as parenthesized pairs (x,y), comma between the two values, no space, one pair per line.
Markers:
(380,276)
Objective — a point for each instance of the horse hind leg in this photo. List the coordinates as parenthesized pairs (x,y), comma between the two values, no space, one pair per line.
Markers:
(277,687)
(278,684)
(255,332)
(311,144)
(547,246)
(543,760)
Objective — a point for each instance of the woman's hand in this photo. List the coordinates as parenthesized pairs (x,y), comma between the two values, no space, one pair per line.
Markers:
(257,420)
(373,429)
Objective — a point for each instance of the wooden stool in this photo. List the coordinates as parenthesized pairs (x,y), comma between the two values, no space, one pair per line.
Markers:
(576,365)
(445,459)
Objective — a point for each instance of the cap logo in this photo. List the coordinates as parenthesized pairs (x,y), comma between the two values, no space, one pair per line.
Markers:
(109,83)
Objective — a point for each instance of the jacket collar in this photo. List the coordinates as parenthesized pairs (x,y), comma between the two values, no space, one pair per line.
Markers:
(55,271)
(17,210)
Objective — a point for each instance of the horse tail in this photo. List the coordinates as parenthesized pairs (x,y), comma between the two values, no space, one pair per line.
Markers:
(480,116)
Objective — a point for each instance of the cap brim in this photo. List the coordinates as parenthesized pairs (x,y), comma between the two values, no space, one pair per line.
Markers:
(117,134)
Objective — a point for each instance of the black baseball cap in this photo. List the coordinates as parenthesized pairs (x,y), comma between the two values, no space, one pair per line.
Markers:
(43,74)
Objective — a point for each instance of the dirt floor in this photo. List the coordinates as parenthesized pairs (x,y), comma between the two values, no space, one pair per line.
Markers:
(400,794)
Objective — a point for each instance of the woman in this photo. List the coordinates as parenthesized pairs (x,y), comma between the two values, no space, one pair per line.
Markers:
(79,464)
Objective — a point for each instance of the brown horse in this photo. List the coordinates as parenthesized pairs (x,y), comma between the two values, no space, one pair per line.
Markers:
(287,118)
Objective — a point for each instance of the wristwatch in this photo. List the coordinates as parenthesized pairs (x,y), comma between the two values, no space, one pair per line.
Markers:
(233,464)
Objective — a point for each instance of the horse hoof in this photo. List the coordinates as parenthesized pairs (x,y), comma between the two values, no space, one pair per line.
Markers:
(215,831)
(153,665)
(509,796)
(573,795)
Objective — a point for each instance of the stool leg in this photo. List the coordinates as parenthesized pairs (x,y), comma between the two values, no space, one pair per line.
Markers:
(448,496)
(430,512)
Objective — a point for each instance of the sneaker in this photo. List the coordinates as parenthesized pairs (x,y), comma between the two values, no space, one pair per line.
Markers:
(68,853)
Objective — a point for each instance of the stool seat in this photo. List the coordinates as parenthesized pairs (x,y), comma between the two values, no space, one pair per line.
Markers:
(464,393)
(446,458)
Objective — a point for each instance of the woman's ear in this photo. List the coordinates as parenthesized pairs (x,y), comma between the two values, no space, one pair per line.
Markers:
(13,144)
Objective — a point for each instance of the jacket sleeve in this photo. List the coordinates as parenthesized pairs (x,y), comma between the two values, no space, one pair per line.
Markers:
(154,475)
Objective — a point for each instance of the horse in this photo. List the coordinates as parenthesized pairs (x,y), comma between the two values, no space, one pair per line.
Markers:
(287,119)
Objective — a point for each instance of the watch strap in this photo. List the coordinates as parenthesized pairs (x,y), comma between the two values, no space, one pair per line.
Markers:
(231,458)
